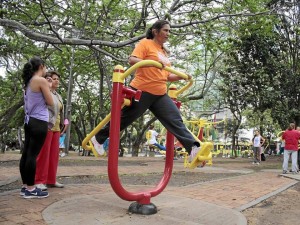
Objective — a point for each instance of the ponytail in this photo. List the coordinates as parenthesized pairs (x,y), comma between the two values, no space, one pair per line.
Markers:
(31,67)
(149,34)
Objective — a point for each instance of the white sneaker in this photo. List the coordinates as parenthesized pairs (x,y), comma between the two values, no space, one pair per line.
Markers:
(63,154)
(43,187)
(58,185)
(98,147)
(194,152)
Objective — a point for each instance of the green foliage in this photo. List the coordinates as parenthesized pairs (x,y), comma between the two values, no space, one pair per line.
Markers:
(11,115)
(262,66)
(267,125)
(201,35)
(252,74)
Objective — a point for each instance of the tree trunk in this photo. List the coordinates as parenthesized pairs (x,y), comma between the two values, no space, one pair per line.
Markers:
(80,136)
(69,103)
(235,138)
(135,149)
(2,145)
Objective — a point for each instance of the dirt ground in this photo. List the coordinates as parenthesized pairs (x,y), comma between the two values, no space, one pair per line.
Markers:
(281,209)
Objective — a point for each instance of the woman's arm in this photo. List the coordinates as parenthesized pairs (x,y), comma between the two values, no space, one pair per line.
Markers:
(133,60)
(173,77)
(64,130)
(44,86)
(66,124)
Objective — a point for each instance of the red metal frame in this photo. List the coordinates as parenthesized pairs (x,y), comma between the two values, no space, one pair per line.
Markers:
(118,95)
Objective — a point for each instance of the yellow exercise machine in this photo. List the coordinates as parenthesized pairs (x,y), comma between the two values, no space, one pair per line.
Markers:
(205,144)
(205,152)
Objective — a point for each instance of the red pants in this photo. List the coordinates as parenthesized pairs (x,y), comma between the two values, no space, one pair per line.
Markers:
(47,160)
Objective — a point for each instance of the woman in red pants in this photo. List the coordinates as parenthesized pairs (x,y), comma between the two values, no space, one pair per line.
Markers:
(47,160)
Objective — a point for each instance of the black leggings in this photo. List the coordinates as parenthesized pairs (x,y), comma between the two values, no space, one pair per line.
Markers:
(35,135)
(164,109)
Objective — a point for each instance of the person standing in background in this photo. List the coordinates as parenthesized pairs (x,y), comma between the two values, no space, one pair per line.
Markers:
(258,141)
(291,137)
(47,161)
(298,129)
(62,139)
(282,145)
(37,96)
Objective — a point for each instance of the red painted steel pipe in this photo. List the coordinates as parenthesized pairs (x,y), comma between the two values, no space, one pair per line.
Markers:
(113,154)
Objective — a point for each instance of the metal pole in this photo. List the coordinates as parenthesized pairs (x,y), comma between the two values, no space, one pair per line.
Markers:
(69,103)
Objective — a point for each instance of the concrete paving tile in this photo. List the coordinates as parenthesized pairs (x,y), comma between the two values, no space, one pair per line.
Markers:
(292,176)
(106,209)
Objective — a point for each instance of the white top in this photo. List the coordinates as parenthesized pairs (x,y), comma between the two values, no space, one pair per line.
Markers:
(153,136)
(256,141)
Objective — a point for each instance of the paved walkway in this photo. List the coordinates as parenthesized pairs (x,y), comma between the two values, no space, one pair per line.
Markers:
(209,203)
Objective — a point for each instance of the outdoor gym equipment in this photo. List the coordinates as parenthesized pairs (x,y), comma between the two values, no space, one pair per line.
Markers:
(120,97)
(201,124)
(205,154)
(280,133)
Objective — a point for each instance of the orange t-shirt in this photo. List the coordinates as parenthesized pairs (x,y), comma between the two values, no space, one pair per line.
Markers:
(150,79)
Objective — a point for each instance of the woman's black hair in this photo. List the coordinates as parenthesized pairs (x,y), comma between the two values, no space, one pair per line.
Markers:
(156,26)
(30,68)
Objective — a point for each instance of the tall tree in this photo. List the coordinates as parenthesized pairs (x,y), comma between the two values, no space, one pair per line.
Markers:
(287,27)
(102,34)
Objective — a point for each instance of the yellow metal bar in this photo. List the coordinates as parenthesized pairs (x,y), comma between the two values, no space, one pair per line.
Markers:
(172,92)
(154,63)
(118,71)
(280,133)
(93,149)
(94,132)
(202,122)
(99,127)
(158,65)
(196,138)
(184,87)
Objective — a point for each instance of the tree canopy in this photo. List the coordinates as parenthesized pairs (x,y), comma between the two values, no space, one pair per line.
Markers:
(250,45)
